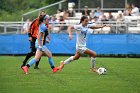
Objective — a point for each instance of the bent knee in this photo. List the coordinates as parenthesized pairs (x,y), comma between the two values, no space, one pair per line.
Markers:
(37,59)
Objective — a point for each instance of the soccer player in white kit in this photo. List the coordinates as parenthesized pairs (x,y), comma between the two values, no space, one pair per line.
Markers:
(81,31)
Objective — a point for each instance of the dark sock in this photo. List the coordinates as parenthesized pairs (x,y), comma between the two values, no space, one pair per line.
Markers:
(27,57)
(28,65)
(37,63)
(52,67)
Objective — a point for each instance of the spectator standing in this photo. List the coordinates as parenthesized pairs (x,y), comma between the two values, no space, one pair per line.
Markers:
(92,13)
(135,10)
(71,13)
(98,13)
(53,23)
(120,20)
(71,4)
(86,12)
(111,19)
(103,17)
(59,13)
(127,10)
(26,26)
(120,16)
(61,22)
(53,20)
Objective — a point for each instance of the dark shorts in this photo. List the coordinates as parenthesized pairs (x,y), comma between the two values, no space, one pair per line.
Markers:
(32,45)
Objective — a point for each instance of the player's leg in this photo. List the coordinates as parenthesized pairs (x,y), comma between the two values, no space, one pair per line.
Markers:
(50,60)
(70,59)
(36,64)
(34,49)
(93,58)
(29,55)
(32,61)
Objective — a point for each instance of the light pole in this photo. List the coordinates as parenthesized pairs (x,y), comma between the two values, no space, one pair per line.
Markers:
(79,5)
(125,2)
(102,4)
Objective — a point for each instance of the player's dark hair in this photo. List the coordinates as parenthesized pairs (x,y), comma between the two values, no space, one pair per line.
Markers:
(83,18)
(41,18)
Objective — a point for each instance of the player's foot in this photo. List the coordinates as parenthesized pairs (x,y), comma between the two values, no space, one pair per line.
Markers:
(94,70)
(55,69)
(25,69)
(36,67)
(61,65)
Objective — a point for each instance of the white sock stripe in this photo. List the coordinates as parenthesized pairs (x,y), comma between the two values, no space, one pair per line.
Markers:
(68,60)
(92,58)
(93,63)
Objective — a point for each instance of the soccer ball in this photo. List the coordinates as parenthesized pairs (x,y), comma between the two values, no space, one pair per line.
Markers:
(101,70)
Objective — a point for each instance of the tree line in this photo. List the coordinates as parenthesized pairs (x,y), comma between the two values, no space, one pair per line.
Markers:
(11,10)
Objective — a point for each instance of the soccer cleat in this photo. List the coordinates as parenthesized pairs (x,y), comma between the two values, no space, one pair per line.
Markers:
(25,69)
(22,65)
(55,69)
(94,70)
(61,65)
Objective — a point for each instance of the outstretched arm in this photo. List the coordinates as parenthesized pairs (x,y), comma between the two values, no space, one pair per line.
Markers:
(70,28)
(97,27)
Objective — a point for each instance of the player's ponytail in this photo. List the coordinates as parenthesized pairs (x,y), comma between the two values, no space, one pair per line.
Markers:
(83,18)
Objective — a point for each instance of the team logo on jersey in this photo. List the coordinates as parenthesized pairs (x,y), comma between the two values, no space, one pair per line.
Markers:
(83,31)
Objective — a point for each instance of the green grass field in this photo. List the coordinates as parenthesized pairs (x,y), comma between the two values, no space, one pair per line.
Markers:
(123,76)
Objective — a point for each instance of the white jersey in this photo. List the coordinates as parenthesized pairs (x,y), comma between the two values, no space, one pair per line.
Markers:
(135,11)
(81,32)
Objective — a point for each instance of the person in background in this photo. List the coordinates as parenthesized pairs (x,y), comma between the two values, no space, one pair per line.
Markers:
(127,10)
(52,24)
(86,12)
(98,13)
(120,20)
(60,12)
(33,30)
(71,13)
(53,20)
(71,4)
(120,17)
(135,10)
(103,18)
(26,27)
(62,21)
(111,19)
(92,14)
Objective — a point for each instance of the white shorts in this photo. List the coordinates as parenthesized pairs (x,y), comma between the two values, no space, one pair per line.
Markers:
(81,50)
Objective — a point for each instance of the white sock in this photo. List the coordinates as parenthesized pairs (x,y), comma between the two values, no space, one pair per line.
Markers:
(68,60)
(93,63)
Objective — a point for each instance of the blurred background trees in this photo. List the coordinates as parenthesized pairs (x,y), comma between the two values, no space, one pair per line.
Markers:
(11,10)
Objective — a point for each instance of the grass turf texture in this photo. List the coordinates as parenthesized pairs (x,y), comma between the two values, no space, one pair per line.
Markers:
(123,76)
